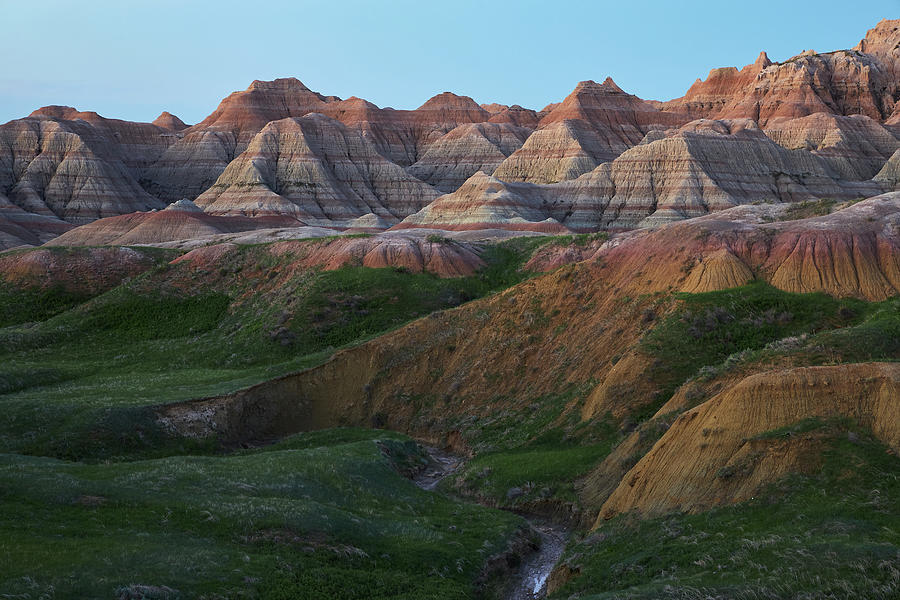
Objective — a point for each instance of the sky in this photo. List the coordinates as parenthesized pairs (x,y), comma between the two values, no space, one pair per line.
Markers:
(133,59)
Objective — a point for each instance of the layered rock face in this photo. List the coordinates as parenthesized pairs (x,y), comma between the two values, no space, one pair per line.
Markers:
(201,153)
(21,228)
(76,170)
(514,115)
(845,82)
(558,152)
(702,167)
(889,175)
(466,150)
(814,126)
(594,124)
(484,202)
(318,171)
(167,120)
(712,165)
(197,159)
(683,471)
(246,112)
(710,96)
(856,147)
(852,252)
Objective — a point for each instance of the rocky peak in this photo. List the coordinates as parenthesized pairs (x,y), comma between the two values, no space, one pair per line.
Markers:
(449,101)
(762,61)
(494,107)
(284,84)
(65,113)
(883,39)
(592,87)
(167,120)
(610,86)
(247,112)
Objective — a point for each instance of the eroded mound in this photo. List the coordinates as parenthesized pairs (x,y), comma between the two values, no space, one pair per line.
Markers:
(713,454)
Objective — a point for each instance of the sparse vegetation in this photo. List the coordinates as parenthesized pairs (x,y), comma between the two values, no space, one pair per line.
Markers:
(828,535)
(714,331)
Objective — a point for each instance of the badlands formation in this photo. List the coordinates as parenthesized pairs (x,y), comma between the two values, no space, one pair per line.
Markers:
(616,313)
(818,125)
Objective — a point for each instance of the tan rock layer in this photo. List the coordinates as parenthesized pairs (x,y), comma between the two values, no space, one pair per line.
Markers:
(688,468)
(318,171)
(703,167)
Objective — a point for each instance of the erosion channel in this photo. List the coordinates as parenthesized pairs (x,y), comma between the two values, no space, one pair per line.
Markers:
(530,578)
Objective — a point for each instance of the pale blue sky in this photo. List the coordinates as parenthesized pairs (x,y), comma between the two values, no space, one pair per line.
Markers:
(132,59)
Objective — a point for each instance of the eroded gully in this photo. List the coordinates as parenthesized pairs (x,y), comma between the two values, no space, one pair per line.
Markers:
(530,578)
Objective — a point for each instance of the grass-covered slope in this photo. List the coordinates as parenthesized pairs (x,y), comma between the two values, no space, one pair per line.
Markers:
(77,370)
(322,515)
(829,534)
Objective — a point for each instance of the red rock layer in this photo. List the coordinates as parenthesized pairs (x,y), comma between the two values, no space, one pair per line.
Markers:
(845,82)
(412,251)
(594,124)
(852,252)
(709,97)
(167,120)
(180,221)
(86,270)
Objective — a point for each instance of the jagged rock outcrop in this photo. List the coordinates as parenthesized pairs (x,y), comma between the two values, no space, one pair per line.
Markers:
(513,115)
(618,161)
(713,454)
(709,97)
(318,171)
(466,150)
(245,113)
(844,82)
(712,165)
(404,136)
(196,160)
(201,152)
(136,145)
